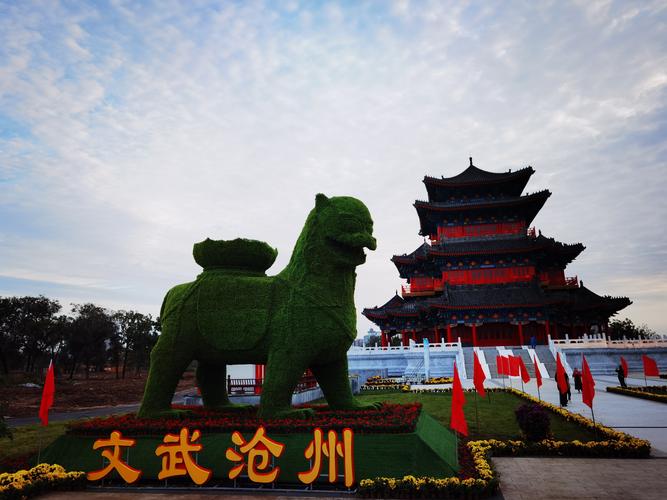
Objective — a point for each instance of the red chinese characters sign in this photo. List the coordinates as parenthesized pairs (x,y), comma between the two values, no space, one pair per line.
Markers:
(257,457)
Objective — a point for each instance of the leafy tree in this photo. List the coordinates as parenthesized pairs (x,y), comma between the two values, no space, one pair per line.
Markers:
(626,328)
(135,336)
(92,331)
(25,330)
(374,341)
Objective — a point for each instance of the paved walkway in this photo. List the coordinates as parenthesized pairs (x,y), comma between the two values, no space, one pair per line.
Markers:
(637,417)
(95,411)
(581,478)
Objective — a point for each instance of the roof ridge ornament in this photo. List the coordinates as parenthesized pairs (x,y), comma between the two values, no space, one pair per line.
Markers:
(471,161)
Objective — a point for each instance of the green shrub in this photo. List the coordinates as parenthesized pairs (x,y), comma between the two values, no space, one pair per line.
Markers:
(533,421)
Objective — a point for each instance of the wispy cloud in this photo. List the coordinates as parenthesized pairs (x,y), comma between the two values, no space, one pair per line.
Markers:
(129,130)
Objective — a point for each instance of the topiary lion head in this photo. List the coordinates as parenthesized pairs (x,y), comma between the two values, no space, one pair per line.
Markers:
(336,232)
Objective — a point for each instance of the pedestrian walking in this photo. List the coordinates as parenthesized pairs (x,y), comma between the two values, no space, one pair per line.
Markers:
(576,376)
(621,376)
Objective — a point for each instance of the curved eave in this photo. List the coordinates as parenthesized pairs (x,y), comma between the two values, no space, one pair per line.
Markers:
(566,253)
(615,304)
(473,176)
(430,213)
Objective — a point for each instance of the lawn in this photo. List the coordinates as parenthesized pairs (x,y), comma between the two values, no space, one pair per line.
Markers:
(496,417)
(27,440)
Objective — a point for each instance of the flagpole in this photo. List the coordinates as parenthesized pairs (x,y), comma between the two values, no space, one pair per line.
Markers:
(594,426)
(538,391)
(476,413)
(39,446)
(456,445)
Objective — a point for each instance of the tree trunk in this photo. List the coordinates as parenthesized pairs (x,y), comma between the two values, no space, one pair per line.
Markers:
(124,362)
(5,368)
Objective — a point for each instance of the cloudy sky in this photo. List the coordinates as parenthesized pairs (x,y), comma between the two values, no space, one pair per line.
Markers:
(130,130)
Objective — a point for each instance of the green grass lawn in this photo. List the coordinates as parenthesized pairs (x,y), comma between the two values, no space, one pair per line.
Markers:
(496,417)
(27,438)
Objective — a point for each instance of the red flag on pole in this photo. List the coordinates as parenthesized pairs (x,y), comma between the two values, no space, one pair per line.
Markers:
(47,395)
(560,375)
(587,384)
(505,363)
(624,364)
(650,367)
(538,375)
(524,371)
(457,420)
(478,375)
(499,365)
(515,367)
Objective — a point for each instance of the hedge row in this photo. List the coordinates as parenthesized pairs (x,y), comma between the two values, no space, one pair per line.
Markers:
(651,392)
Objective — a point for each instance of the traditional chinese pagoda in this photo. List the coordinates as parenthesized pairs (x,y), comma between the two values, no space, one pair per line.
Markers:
(483,274)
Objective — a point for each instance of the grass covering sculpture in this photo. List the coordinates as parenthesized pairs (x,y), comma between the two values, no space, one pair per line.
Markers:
(233,313)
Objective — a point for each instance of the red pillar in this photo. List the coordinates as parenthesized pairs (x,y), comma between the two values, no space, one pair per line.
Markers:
(414,336)
(384,339)
(404,337)
(259,376)
(437,334)
(449,333)
(520,325)
(474,335)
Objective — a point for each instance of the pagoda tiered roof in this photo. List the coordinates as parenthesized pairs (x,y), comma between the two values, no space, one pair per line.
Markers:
(504,296)
(554,251)
(472,178)
(584,299)
(466,297)
(432,213)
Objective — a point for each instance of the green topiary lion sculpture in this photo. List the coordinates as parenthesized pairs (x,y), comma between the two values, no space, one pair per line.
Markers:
(304,317)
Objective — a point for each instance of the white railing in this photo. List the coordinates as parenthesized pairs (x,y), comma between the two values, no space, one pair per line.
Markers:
(442,346)
(602,342)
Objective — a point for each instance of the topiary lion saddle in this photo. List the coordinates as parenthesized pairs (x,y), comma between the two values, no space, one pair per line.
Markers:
(233,313)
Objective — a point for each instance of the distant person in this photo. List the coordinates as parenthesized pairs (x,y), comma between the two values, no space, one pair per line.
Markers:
(533,342)
(567,383)
(621,376)
(563,395)
(576,376)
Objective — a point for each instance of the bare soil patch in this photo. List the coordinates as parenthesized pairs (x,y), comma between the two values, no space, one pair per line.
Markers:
(100,389)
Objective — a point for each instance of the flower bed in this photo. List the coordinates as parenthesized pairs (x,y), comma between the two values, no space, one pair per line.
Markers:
(390,418)
(39,479)
(438,380)
(376,382)
(485,481)
(408,388)
(388,387)
(652,392)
